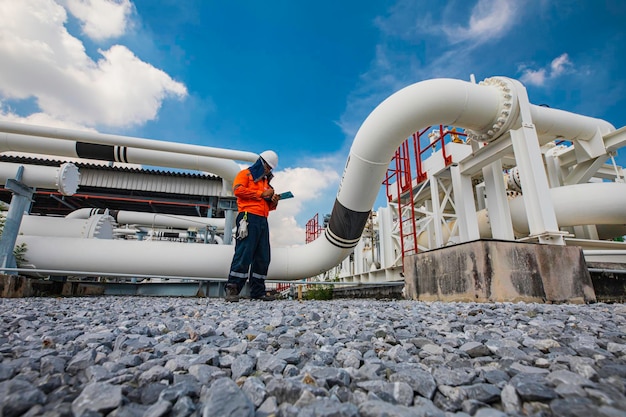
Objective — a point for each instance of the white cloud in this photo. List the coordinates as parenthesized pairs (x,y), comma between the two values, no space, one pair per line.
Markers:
(559,66)
(101,19)
(534,77)
(489,19)
(41,60)
(486,20)
(39,119)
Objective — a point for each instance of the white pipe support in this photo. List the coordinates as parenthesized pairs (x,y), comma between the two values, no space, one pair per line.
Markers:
(64,178)
(553,168)
(499,216)
(437,219)
(465,204)
(540,211)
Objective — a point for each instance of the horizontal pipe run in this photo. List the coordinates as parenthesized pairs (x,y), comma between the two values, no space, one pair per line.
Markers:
(578,205)
(133,200)
(153,219)
(64,178)
(224,168)
(128,141)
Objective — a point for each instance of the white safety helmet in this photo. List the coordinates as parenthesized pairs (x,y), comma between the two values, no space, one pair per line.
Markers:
(270,158)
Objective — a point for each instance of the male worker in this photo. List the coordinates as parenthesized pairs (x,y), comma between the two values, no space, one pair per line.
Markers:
(255,199)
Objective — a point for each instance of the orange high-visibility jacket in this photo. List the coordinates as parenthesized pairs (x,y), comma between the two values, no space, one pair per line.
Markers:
(248,194)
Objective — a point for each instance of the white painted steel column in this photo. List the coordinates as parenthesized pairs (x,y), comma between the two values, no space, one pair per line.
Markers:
(539,207)
(436,207)
(497,204)
(553,167)
(385,237)
(465,206)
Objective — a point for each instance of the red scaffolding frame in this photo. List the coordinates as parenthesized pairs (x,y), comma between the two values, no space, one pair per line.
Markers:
(410,152)
(400,170)
(313,229)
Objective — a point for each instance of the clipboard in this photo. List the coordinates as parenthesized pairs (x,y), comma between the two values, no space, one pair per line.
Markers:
(285,195)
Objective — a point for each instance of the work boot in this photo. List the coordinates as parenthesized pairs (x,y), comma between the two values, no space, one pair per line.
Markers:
(232,293)
(265,297)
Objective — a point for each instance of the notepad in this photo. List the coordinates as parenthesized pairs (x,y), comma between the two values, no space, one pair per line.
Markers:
(286,194)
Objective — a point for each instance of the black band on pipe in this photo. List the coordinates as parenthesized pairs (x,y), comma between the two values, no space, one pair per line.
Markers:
(345,226)
(95,151)
(121,154)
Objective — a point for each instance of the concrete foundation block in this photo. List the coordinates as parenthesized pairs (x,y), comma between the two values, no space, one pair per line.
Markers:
(13,286)
(499,271)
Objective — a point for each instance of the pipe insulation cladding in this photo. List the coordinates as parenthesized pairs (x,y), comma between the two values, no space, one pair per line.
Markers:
(440,101)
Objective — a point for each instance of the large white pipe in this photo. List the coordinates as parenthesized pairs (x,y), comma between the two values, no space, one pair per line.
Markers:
(64,178)
(225,168)
(441,101)
(128,141)
(153,219)
(99,226)
(598,204)
(601,203)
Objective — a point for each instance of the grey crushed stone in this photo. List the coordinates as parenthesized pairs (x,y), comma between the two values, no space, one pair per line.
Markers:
(167,356)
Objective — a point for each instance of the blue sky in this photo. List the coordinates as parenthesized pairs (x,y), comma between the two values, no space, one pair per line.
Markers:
(298,77)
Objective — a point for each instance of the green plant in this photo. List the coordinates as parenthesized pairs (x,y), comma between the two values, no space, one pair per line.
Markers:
(19,251)
(319,292)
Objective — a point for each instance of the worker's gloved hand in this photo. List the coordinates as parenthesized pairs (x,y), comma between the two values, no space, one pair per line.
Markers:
(242,230)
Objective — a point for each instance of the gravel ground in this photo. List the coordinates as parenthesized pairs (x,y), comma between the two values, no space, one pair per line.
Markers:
(136,356)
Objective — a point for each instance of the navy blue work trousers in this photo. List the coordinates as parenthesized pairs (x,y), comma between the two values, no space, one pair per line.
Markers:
(252,256)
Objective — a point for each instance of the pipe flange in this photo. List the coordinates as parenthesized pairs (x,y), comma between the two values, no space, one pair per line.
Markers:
(513,180)
(99,226)
(68,179)
(508,111)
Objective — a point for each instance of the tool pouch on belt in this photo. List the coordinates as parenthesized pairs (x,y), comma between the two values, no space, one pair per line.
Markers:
(242,230)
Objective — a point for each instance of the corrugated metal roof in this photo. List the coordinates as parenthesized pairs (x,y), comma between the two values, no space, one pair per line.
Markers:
(107,166)
(148,181)
(123,178)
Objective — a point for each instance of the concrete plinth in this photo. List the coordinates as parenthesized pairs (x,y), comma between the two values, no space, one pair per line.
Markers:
(499,271)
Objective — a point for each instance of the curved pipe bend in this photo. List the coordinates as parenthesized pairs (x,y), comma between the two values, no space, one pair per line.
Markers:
(440,101)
